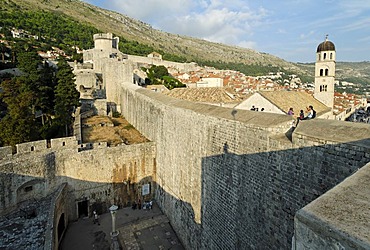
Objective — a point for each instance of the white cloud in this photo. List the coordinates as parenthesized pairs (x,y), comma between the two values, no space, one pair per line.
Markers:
(360,24)
(272,26)
(214,20)
(354,5)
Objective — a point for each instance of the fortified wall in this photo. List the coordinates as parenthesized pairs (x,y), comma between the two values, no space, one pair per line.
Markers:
(93,177)
(95,173)
(234,179)
(226,178)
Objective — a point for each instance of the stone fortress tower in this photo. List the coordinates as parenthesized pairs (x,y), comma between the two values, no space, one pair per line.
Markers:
(105,46)
(325,73)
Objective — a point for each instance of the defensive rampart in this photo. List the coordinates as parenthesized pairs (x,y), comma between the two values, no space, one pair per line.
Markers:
(97,176)
(184,67)
(339,219)
(234,179)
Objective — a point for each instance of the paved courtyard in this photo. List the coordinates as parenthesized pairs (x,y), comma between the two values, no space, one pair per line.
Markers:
(138,229)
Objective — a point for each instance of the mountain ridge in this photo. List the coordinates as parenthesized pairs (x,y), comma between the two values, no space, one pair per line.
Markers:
(193,49)
(132,29)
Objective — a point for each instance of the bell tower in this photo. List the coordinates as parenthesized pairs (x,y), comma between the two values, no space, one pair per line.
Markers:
(325,73)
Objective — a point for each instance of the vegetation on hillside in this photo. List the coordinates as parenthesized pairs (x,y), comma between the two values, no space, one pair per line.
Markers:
(39,103)
(47,26)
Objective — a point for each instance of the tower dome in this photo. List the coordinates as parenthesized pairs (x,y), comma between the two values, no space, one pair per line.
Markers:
(325,45)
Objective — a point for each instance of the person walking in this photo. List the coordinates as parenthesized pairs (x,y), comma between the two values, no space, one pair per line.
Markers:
(96,217)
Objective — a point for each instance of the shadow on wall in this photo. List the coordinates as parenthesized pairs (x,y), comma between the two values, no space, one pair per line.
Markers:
(56,210)
(253,197)
(250,198)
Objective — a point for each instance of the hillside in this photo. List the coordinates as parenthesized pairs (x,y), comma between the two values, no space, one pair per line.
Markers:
(192,49)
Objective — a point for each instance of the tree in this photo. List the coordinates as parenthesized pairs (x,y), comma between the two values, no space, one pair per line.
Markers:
(160,75)
(66,95)
(2,51)
(171,83)
(46,96)
(18,125)
(155,74)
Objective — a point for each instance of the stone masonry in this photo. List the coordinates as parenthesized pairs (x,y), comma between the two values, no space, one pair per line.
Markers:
(232,179)
(225,178)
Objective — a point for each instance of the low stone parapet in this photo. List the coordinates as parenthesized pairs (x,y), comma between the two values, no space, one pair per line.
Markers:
(339,219)
(5,151)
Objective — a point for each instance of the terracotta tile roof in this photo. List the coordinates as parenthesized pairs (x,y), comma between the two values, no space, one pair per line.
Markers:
(296,99)
(206,95)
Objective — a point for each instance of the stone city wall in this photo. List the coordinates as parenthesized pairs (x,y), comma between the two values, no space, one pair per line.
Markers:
(95,173)
(184,67)
(58,218)
(107,176)
(339,219)
(5,151)
(239,173)
(24,176)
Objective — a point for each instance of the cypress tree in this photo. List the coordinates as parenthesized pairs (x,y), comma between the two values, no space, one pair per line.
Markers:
(66,95)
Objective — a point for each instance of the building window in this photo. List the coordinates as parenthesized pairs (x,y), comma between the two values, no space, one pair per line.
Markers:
(324,56)
(321,72)
(326,72)
(323,88)
(331,56)
(319,57)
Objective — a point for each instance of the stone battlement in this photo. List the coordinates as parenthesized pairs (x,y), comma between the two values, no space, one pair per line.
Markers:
(103,36)
(59,144)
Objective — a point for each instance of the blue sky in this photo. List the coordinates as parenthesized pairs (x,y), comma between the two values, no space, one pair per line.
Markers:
(289,29)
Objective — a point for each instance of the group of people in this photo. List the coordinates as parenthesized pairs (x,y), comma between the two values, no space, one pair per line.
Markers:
(311,113)
(146,205)
(256,109)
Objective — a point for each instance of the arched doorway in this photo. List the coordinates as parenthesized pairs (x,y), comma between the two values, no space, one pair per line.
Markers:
(61,227)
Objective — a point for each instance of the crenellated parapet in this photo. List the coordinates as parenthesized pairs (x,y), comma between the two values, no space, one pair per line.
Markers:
(40,146)
(94,172)
(53,145)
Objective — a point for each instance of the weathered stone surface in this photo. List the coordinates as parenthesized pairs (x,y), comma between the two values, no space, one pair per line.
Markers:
(338,219)
(226,179)
(233,179)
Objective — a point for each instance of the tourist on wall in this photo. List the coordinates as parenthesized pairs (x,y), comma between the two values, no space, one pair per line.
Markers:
(301,115)
(291,112)
(311,113)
